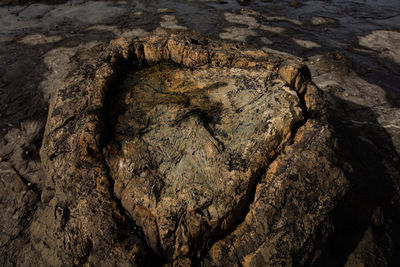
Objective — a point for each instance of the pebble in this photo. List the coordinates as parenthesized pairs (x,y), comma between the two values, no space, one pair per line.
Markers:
(338,56)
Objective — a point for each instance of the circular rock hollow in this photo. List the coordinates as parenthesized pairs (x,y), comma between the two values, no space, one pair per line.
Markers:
(168,133)
(189,145)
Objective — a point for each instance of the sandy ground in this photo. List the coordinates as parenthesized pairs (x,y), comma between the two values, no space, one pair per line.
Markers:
(351,47)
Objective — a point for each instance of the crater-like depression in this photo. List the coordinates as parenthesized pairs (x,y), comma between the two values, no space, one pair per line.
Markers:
(189,144)
(159,144)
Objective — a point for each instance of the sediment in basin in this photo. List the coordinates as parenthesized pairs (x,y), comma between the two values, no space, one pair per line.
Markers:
(188,146)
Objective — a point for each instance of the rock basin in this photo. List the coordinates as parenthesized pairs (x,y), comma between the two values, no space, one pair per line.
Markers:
(177,146)
(190,144)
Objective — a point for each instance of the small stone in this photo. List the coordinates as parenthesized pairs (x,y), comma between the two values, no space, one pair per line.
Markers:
(338,56)
(47,195)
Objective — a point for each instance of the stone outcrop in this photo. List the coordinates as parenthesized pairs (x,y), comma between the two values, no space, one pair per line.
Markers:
(176,149)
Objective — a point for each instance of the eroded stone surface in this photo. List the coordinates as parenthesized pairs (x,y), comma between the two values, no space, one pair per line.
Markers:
(362,95)
(190,144)
(293,199)
(187,138)
(385,43)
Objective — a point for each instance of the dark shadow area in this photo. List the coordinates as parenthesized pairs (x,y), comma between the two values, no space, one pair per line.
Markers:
(382,72)
(372,203)
(109,112)
(20,77)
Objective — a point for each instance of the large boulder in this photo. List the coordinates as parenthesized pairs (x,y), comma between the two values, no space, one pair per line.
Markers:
(182,150)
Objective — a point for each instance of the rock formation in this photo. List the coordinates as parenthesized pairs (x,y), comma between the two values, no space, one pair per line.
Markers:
(181,150)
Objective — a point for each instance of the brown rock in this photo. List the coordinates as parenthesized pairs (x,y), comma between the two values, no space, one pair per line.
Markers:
(289,216)
(201,141)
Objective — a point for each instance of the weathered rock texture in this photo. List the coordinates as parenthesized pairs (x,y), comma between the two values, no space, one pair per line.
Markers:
(190,146)
(207,153)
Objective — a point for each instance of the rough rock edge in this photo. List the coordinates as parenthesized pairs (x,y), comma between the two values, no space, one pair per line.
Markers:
(79,190)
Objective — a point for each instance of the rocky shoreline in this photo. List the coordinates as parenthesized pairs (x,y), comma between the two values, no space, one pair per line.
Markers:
(328,195)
